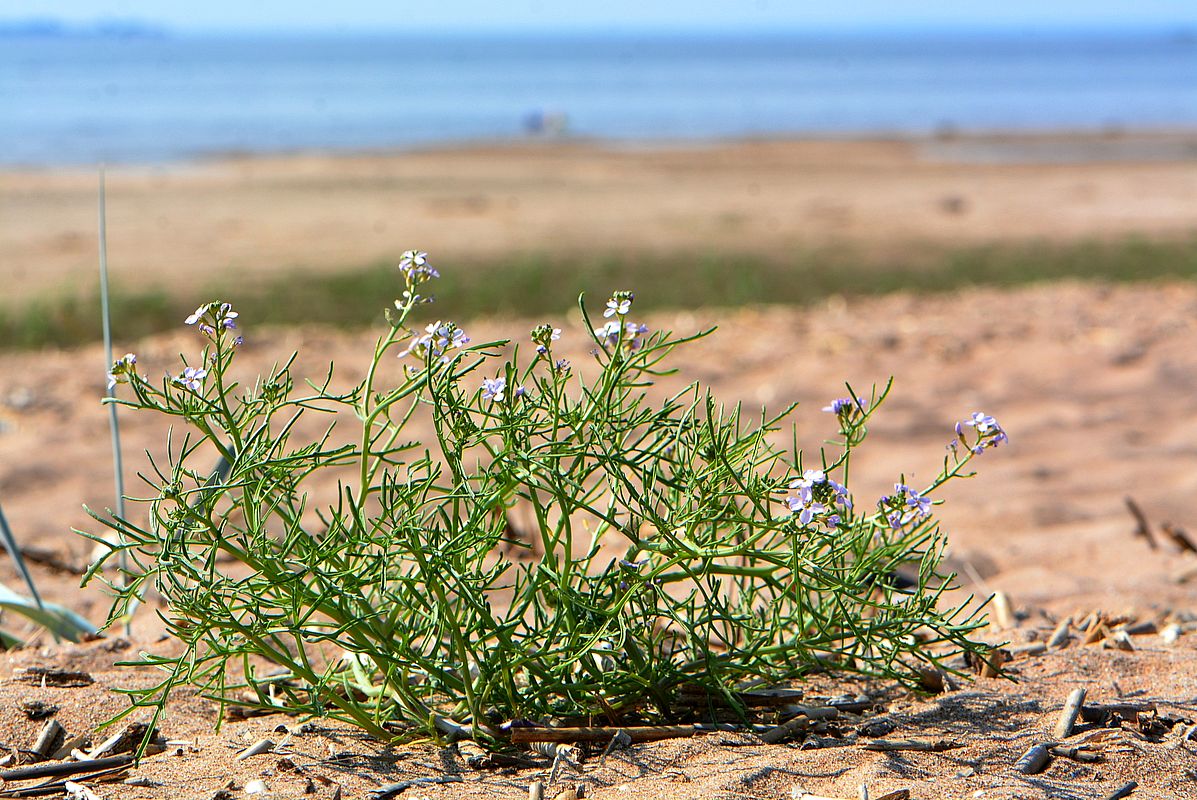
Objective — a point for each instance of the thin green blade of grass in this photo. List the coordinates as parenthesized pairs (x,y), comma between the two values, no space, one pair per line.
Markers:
(59,620)
(14,551)
(114,427)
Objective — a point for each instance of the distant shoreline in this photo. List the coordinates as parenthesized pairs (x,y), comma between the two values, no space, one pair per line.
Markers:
(1010,146)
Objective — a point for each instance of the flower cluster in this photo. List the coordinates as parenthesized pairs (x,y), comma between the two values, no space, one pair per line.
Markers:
(628,333)
(438,340)
(619,304)
(989,433)
(494,389)
(415,267)
(818,498)
(122,370)
(213,317)
(904,506)
(543,337)
(845,407)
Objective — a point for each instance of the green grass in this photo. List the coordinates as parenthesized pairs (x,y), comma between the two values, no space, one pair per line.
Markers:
(535,285)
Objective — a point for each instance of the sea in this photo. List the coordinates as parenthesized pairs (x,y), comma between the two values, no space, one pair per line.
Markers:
(81,99)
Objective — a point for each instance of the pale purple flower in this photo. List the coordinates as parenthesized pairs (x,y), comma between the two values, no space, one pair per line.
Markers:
(609,333)
(438,339)
(414,264)
(199,313)
(989,432)
(619,304)
(810,511)
(520,391)
(192,378)
(806,483)
(493,388)
(211,316)
(906,506)
(841,493)
(561,365)
(982,422)
(919,505)
(844,405)
(122,368)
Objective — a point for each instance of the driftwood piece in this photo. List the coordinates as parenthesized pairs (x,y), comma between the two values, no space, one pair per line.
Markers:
(1029,649)
(48,740)
(48,676)
(1061,634)
(787,730)
(59,769)
(395,789)
(898,794)
(646,733)
(1034,760)
(1142,526)
(256,749)
(1123,791)
(1179,537)
(1102,713)
(691,694)
(1082,754)
(918,745)
(1002,613)
(1068,714)
(127,739)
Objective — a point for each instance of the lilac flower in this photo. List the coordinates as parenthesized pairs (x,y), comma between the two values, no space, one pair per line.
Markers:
(817,498)
(633,332)
(919,505)
(805,484)
(493,388)
(544,336)
(122,368)
(228,317)
(211,316)
(520,391)
(906,506)
(608,334)
(844,405)
(414,264)
(982,422)
(841,493)
(199,313)
(989,432)
(619,304)
(438,339)
(561,365)
(192,378)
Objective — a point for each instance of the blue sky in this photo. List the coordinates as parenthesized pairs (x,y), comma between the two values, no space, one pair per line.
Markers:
(398,15)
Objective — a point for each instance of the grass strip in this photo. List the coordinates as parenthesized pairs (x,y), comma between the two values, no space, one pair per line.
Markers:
(531,285)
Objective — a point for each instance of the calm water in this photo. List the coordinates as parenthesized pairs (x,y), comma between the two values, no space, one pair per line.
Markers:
(73,100)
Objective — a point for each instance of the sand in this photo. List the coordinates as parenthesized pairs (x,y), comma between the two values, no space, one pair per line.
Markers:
(188,225)
(1097,386)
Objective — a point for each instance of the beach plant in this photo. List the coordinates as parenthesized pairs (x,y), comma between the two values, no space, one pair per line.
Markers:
(60,622)
(668,541)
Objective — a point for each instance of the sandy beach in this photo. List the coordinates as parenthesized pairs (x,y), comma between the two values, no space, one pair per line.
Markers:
(180,226)
(1096,385)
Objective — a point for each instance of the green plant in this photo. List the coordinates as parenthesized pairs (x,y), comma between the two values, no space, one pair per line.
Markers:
(674,541)
(62,623)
